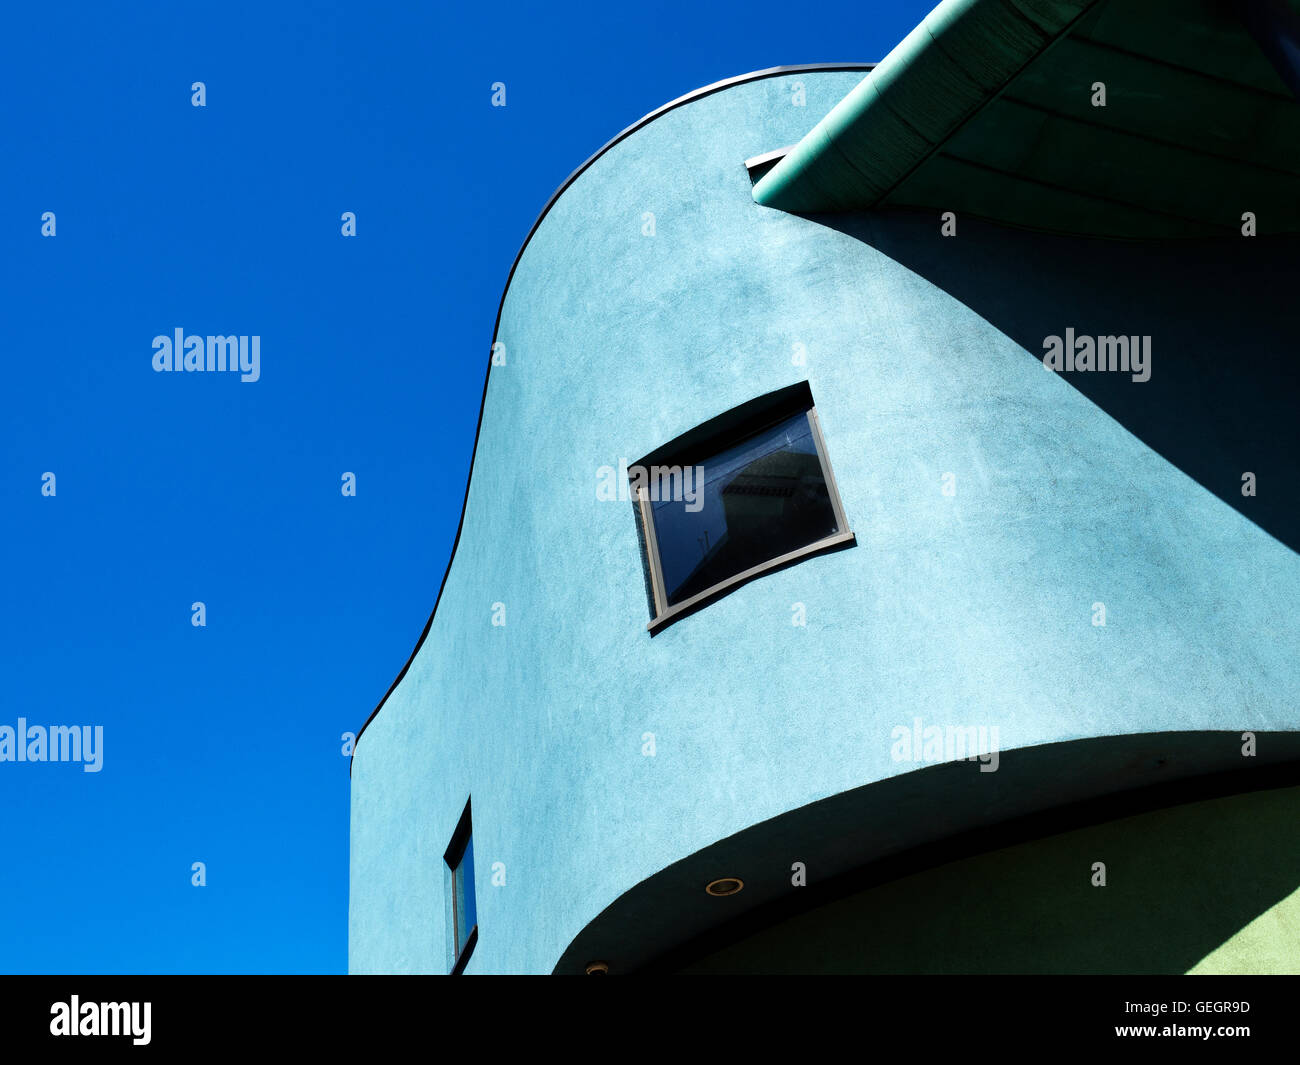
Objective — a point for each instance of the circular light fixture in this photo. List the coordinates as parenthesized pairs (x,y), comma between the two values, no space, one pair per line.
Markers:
(727,885)
(598,968)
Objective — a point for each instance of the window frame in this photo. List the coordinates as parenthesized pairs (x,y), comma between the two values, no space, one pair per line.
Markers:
(454,858)
(727,430)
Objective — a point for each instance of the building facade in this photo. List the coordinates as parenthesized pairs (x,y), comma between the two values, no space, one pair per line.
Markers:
(607,754)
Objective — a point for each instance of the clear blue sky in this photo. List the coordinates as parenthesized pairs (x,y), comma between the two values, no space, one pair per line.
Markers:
(222,743)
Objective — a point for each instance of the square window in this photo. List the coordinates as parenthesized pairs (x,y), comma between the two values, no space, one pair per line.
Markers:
(462,912)
(746,493)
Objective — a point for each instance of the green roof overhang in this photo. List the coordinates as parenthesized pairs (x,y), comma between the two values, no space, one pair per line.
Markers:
(989,108)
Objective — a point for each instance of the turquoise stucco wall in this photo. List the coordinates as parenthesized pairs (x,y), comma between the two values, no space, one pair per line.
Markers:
(969,610)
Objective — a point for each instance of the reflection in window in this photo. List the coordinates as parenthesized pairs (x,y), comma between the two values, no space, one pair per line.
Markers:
(761,499)
(466,917)
(750,502)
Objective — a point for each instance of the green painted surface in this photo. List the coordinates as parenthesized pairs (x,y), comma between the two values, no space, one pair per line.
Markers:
(1266,946)
(1206,887)
(941,73)
(1195,128)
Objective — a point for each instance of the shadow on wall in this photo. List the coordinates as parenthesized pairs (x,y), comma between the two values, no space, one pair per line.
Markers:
(1022,836)
(1223,315)
(1180,882)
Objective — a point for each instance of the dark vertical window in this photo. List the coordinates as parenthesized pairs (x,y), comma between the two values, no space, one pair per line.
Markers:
(462,910)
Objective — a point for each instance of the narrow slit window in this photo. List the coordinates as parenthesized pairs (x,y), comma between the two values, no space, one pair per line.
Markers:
(744,494)
(462,911)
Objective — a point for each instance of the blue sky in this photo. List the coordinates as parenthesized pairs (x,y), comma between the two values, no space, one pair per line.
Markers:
(222,744)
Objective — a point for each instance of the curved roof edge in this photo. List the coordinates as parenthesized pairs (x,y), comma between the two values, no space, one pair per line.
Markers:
(697,94)
(961,56)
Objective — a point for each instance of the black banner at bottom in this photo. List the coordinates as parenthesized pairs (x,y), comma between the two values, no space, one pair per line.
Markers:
(338,1014)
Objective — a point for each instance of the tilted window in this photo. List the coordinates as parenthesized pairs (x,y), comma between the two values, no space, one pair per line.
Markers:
(747,492)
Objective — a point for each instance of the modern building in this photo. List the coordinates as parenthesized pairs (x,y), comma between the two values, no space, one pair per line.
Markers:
(844,423)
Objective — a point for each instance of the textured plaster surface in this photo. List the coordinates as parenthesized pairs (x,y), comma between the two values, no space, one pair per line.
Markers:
(971,609)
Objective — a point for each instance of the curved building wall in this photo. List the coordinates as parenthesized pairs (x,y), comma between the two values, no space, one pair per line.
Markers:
(1201,888)
(970,609)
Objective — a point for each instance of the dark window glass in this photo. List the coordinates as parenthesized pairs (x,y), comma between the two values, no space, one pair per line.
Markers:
(462,911)
(466,913)
(750,503)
